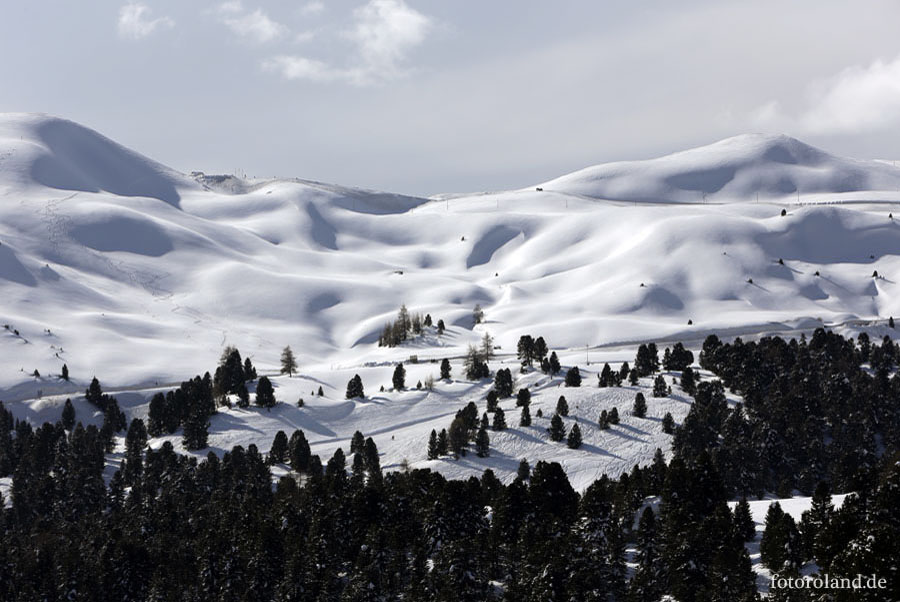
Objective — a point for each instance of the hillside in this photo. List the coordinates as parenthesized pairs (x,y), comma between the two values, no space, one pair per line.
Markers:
(125,269)
(749,167)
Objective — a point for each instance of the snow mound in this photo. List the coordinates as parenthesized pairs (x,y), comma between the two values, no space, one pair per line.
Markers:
(741,168)
(72,157)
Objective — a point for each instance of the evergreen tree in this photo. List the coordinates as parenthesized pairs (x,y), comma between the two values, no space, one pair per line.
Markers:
(440,327)
(574,438)
(279,450)
(458,436)
(250,371)
(524,470)
(554,364)
(355,388)
(65,373)
(492,401)
(640,406)
(135,442)
(399,378)
(557,430)
(523,397)
(603,421)
(503,383)
(433,452)
(320,392)
(525,417)
(68,415)
(499,423)
(539,351)
(614,416)
(649,578)
(525,350)
(633,378)
(573,377)
(688,381)
(482,443)
(288,362)
(668,424)
(243,395)
(743,521)
(94,393)
(196,431)
(445,369)
(443,442)
(357,443)
(659,387)
(562,406)
(606,377)
(156,416)
(299,452)
(265,394)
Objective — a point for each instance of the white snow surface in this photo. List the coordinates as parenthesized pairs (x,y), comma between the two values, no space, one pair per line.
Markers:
(126,269)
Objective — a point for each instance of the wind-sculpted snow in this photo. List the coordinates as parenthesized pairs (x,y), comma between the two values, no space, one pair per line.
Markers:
(140,275)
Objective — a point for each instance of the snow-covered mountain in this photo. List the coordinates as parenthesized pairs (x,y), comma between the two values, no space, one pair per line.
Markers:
(742,168)
(126,269)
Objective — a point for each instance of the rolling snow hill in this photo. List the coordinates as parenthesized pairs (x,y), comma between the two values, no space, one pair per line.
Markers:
(123,268)
(742,168)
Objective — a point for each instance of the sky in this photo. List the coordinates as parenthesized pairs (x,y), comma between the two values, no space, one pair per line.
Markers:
(431,96)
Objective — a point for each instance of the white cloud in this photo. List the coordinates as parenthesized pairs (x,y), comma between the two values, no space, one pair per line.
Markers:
(135,22)
(298,67)
(255,26)
(857,99)
(312,8)
(384,33)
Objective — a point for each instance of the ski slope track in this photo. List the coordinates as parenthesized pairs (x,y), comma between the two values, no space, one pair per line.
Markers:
(123,268)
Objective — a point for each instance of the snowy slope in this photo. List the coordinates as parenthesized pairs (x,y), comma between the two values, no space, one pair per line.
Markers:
(742,168)
(125,269)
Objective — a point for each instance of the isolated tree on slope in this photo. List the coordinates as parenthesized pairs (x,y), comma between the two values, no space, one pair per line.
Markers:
(499,423)
(65,372)
(355,388)
(640,406)
(288,363)
(433,446)
(573,377)
(399,378)
(445,369)
(574,438)
(562,406)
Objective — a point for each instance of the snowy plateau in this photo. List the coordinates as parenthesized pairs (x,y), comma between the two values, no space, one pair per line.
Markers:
(130,271)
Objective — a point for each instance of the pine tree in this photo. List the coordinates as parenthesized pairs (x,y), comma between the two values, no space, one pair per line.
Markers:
(355,388)
(633,378)
(156,415)
(482,443)
(574,438)
(243,396)
(440,327)
(299,452)
(443,442)
(94,393)
(614,416)
(688,381)
(399,378)
(288,362)
(743,521)
(557,430)
(487,347)
(478,314)
(492,401)
(555,367)
(68,415)
(640,406)
(525,350)
(499,423)
(668,424)
(265,393)
(523,397)
(196,431)
(445,369)
(433,452)
(279,450)
(320,392)
(573,377)
(250,371)
(458,436)
(503,383)
(357,443)
(603,421)
(65,372)
(659,387)
(524,470)
(525,417)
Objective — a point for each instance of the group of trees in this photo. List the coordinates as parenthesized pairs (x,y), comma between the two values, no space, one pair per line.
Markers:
(405,326)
